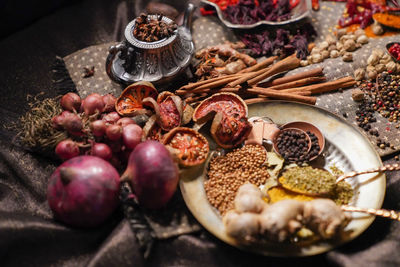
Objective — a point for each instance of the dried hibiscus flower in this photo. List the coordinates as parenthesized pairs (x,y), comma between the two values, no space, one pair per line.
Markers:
(281,43)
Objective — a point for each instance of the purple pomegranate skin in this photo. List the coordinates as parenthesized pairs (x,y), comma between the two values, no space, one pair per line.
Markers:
(153,174)
(83,191)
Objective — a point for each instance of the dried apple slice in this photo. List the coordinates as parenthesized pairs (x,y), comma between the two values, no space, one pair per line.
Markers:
(130,102)
(230,126)
(189,146)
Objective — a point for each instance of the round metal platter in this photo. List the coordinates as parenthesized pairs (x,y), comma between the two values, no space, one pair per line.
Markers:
(346,148)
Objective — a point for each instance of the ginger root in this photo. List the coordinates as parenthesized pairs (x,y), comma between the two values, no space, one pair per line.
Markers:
(253,217)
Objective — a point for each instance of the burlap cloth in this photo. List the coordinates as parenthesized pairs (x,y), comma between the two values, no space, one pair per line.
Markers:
(209,31)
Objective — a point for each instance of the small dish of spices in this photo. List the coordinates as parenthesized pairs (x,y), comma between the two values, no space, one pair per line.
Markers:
(316,136)
(394,51)
(292,144)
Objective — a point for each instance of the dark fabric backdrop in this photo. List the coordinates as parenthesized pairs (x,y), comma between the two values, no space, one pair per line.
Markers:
(28,234)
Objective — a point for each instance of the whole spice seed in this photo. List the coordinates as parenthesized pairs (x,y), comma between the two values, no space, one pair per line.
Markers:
(293,146)
(383,96)
(151,30)
(227,173)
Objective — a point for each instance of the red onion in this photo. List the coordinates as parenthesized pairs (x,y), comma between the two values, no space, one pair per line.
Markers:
(93,103)
(72,123)
(102,151)
(114,132)
(109,102)
(70,102)
(67,149)
(152,173)
(57,122)
(111,118)
(132,135)
(83,191)
(98,128)
(125,121)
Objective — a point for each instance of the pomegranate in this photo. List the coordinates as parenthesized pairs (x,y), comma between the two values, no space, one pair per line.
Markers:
(83,191)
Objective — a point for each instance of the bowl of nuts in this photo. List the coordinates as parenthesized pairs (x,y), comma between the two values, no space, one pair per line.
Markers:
(155,49)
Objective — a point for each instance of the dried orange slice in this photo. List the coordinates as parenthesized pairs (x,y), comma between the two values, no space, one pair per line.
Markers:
(230,126)
(189,146)
(130,102)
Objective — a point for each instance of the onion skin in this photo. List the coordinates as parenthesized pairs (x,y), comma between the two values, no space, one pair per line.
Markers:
(114,132)
(102,151)
(83,191)
(98,128)
(109,102)
(111,117)
(132,135)
(70,102)
(67,149)
(125,121)
(72,123)
(93,103)
(152,173)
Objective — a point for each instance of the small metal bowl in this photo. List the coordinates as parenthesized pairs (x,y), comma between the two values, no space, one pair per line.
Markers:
(301,11)
(387,50)
(305,126)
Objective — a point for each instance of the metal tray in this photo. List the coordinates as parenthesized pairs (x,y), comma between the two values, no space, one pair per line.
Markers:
(347,148)
(301,11)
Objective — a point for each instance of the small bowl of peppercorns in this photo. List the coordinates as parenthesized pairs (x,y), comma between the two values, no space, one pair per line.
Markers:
(316,136)
(292,144)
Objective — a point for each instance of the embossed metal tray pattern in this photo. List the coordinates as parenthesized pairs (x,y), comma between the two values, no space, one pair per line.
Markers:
(347,148)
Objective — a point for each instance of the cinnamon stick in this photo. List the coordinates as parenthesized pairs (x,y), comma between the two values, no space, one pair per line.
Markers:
(256,100)
(196,84)
(218,83)
(260,65)
(298,83)
(301,75)
(325,87)
(289,63)
(273,94)
(251,75)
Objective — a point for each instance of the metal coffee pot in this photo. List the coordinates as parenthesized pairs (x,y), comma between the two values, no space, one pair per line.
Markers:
(158,62)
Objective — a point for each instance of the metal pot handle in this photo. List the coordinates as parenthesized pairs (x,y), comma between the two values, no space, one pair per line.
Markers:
(187,18)
(112,52)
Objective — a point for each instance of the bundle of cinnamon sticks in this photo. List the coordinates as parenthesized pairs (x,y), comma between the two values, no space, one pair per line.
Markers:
(249,84)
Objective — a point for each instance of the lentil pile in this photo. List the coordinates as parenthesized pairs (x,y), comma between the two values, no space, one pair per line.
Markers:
(293,145)
(227,173)
(151,30)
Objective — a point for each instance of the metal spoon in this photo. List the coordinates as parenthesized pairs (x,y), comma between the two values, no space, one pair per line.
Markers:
(388,167)
(389,214)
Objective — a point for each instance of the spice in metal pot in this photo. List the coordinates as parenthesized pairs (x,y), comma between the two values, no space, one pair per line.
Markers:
(228,172)
(151,30)
(293,145)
